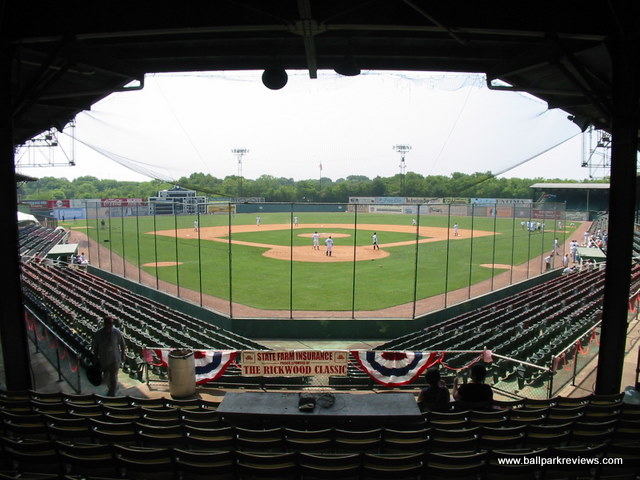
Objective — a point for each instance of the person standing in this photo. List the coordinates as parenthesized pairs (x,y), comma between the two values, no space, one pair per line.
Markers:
(110,351)
(329,243)
(547,261)
(573,249)
(316,241)
(195,225)
(456,230)
(374,238)
(258,221)
(295,221)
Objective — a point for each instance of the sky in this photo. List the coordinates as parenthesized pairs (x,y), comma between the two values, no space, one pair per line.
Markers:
(332,126)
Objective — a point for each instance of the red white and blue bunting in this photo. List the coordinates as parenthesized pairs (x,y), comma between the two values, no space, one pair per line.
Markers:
(209,364)
(395,368)
(391,369)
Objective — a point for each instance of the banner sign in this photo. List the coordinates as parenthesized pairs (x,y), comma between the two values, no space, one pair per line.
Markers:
(294,363)
(121,202)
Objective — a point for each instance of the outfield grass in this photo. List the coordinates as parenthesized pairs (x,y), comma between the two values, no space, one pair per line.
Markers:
(423,269)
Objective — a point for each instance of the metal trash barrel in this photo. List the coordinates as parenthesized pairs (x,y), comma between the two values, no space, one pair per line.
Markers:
(182,373)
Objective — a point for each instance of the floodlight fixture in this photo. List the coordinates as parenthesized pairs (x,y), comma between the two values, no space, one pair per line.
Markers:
(240,153)
(402,149)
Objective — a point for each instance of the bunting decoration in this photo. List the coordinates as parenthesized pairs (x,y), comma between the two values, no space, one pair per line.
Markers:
(395,368)
(209,364)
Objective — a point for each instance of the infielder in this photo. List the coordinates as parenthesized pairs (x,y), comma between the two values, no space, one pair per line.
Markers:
(316,241)
(329,243)
(374,238)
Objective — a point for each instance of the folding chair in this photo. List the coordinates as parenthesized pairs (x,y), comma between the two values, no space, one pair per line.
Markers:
(260,440)
(221,438)
(160,436)
(281,465)
(204,465)
(31,456)
(380,465)
(320,440)
(451,465)
(346,440)
(141,463)
(329,465)
(87,459)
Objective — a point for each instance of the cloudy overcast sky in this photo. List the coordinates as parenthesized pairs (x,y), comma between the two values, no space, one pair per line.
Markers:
(179,124)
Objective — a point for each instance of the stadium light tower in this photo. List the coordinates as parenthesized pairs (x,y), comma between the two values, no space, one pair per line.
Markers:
(240,153)
(402,149)
(596,153)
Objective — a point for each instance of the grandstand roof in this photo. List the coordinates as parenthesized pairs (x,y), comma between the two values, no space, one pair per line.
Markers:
(67,55)
(571,186)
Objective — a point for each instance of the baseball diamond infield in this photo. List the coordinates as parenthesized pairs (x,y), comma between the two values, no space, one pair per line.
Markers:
(340,253)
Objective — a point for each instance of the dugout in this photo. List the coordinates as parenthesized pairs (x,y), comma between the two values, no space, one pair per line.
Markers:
(588,254)
(63,252)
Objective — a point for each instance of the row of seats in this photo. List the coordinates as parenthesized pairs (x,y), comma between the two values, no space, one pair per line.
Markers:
(398,454)
(35,241)
(90,434)
(73,303)
(78,461)
(144,421)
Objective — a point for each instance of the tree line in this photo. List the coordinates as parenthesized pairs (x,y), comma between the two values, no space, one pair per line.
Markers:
(279,189)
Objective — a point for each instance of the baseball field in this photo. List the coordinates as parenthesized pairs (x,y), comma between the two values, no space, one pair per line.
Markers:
(273,265)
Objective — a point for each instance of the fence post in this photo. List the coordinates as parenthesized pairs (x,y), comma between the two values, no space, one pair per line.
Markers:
(415,266)
(550,394)
(353,276)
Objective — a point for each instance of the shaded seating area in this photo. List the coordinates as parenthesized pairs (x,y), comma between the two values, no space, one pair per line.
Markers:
(129,437)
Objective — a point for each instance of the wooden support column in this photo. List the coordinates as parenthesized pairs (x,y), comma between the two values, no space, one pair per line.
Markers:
(13,336)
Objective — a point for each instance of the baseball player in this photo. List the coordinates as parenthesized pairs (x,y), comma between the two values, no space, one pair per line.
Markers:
(316,241)
(374,238)
(329,243)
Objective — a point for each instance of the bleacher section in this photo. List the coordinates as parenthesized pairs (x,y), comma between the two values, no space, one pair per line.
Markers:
(73,303)
(90,436)
(35,241)
(532,326)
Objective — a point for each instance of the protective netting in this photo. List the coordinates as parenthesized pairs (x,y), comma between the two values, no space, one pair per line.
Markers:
(179,124)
